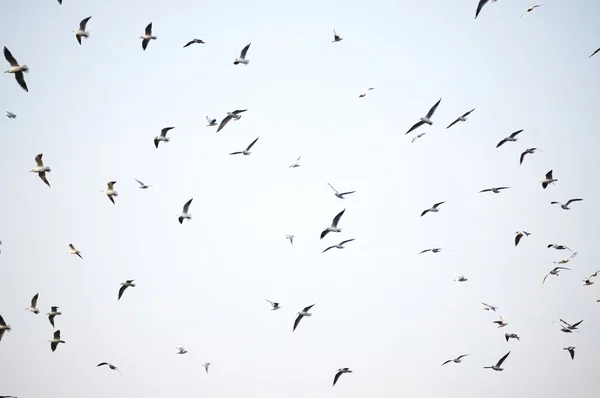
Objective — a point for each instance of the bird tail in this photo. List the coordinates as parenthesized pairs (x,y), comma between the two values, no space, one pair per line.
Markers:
(86,34)
(25,68)
(48,169)
(115,193)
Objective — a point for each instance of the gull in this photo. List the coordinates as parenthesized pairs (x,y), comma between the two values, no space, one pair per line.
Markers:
(10,115)
(242,58)
(340,195)
(563,328)
(566,260)
(336,37)
(296,163)
(530,9)
(461,279)
(501,322)
(554,271)
(40,169)
(339,373)
(480,6)
(339,245)
(235,115)
(488,307)
(59,2)
(416,137)
(181,350)
(274,305)
(3,327)
(456,360)
(142,185)
(79,33)
(508,336)
(163,136)
(510,138)
(110,191)
(111,366)
(55,340)
(520,235)
(587,282)
(206,365)
(594,53)
(301,315)
(569,326)
(566,205)
(33,307)
(147,36)
(528,151)
(334,223)
(548,180)
(494,190)
(246,151)
(291,238)
(195,41)
(124,286)
(433,209)
(16,69)
(74,251)
(184,214)
(462,118)
(364,94)
(53,312)
(434,250)
(211,122)
(497,366)
(571,350)
(426,119)
(558,247)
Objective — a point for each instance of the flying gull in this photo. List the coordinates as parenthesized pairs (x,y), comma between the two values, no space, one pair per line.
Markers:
(336,37)
(246,151)
(142,185)
(571,350)
(339,373)
(275,306)
(548,180)
(364,94)
(462,118)
(554,271)
(566,205)
(461,279)
(334,223)
(339,245)
(235,115)
(291,238)
(296,163)
(195,41)
(594,53)
(184,214)
(242,58)
(508,336)
(53,312)
(163,136)
(3,327)
(433,209)
(33,307)
(519,235)
(181,350)
(416,137)
(494,190)
(79,33)
(433,250)
(497,366)
(211,122)
(301,315)
(566,260)
(16,69)
(55,340)
(488,307)
(510,138)
(529,9)
(110,191)
(480,6)
(40,169)
(528,151)
(456,360)
(74,251)
(206,365)
(147,36)
(426,119)
(569,326)
(111,366)
(501,322)
(124,286)
(340,195)
(10,115)
(558,247)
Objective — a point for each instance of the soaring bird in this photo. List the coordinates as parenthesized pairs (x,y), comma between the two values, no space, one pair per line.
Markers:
(566,205)
(364,94)
(334,223)
(242,58)
(339,245)
(110,191)
(433,250)
(290,238)
(510,138)
(195,41)
(40,169)
(301,315)
(433,209)
(528,151)
(184,215)
(569,326)
(426,119)
(554,271)
(339,373)
(558,247)
(33,307)
(147,36)
(275,306)
(3,327)
(456,360)
(111,366)
(163,136)
(566,260)
(142,185)
(53,312)
(462,118)
(74,251)
(340,195)
(494,190)
(211,122)
(594,53)
(519,235)
(461,279)
(497,365)
(235,115)
(416,137)
(508,336)
(206,365)
(336,37)
(55,340)
(480,6)
(571,350)
(501,322)
(488,307)
(79,33)
(181,350)
(124,286)
(531,8)
(548,180)
(563,328)
(10,115)
(295,164)
(246,151)
(16,69)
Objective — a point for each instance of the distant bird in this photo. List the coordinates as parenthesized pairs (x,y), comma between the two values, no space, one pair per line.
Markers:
(235,115)
(111,366)
(434,250)
(163,136)
(16,69)
(416,137)
(184,214)
(455,360)
(181,350)
(364,94)
(301,315)
(246,151)
(340,195)
(55,340)
(33,307)
(336,37)
(334,223)
(147,36)
(296,163)
(40,169)
(501,322)
(494,190)
(291,238)
(529,9)
(548,180)
(558,247)
(79,33)
(566,205)
(195,41)
(74,251)
(110,191)
(433,209)
(206,365)
(563,328)
(426,119)
(571,350)
(520,235)
(488,307)
(462,118)
(594,53)
(528,151)
(480,6)
(211,122)
(554,271)
(497,366)
(3,327)
(510,138)
(569,326)
(53,313)
(142,185)
(508,336)
(10,115)
(242,58)
(461,279)
(339,245)
(124,286)
(274,305)
(339,373)
(566,260)
(59,2)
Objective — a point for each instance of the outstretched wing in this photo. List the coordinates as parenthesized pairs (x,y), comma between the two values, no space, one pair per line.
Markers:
(336,219)
(224,123)
(244,51)
(252,144)
(9,57)
(187,205)
(415,126)
(148,30)
(83,23)
(502,359)
(432,110)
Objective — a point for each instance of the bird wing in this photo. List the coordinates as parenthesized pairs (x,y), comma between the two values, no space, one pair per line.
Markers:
(332,188)
(34,300)
(522,157)
(566,323)
(187,205)
(71,246)
(347,193)
(297,321)
(549,175)
(325,232)
(576,324)
(573,200)
(9,57)
(306,309)
(330,247)
(479,7)
(415,126)
(568,269)
(502,359)
(252,144)
(2,321)
(572,352)
(437,204)
(424,212)
(78,38)
(424,251)
(503,188)
(594,53)
(83,23)
(121,290)
(346,241)
(224,122)
(450,360)
(236,153)
(42,176)
(453,123)
(101,364)
(237,112)
(191,42)
(139,182)
(485,190)
(337,376)
(57,334)
(110,184)
(545,278)
(518,239)
(53,346)
(468,113)
(501,143)
(145,43)
(336,219)
(38,160)
(513,135)
(148,30)
(51,319)
(244,51)
(432,110)
(163,132)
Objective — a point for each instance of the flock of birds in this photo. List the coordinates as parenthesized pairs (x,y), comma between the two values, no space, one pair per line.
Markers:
(42,171)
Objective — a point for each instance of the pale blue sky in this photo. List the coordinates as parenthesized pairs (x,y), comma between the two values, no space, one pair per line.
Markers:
(391,315)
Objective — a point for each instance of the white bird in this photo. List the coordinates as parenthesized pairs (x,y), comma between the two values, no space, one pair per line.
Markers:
(455,360)
(528,151)
(74,251)
(554,271)
(340,371)
(181,350)
(163,136)
(461,118)
(571,350)
(110,191)
(334,223)
(497,366)
(184,214)
(125,285)
(3,327)
(242,58)
(211,122)
(494,190)
(111,366)
(40,169)
(246,151)
(296,163)
(416,137)
(206,365)
(480,6)
(235,115)
(336,37)
(548,180)
(558,247)
(339,245)
(433,209)
(16,69)
(142,185)
(488,307)
(519,235)
(53,312)
(147,36)
(433,250)
(301,315)
(55,340)
(510,138)
(33,307)
(426,119)
(508,336)
(529,9)
(566,205)
(340,195)
(274,305)
(10,115)
(365,92)
(291,238)
(195,41)
(461,279)
(501,322)
(79,33)
(566,260)
(594,53)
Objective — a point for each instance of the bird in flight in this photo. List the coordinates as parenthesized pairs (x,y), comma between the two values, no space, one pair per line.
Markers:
(33,307)
(529,9)
(211,122)
(433,250)
(246,151)
(79,33)
(339,373)
(566,205)
(558,247)
(147,36)
(554,271)
(295,164)
(74,251)
(433,209)
(111,366)
(571,350)
(206,365)
(494,190)
(10,115)
(548,180)
(594,53)
(455,360)
(528,151)
(364,94)
(242,58)
(181,350)
(184,215)
(53,312)
(510,138)
(509,336)
(163,136)
(55,340)
(125,285)
(291,239)
(275,306)
(339,245)
(416,137)
(569,326)
(497,365)
(3,327)
(461,279)
(488,307)
(40,169)
(195,41)
(16,69)
(336,37)
(519,235)
(462,118)
(301,315)
(426,119)
(235,115)
(110,191)
(480,6)
(142,185)
(334,223)
(340,195)
(501,322)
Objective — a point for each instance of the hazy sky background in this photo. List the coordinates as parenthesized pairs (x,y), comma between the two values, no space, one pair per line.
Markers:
(391,315)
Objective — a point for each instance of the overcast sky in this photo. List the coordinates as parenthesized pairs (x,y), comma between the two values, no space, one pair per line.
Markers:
(386,312)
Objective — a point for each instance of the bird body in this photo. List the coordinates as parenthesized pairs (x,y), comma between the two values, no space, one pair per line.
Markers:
(73,250)
(510,138)
(548,180)
(339,245)
(40,169)
(235,115)
(301,315)
(246,151)
(163,136)
(461,279)
(53,313)
(110,191)
(10,115)
(275,306)
(433,209)
(497,366)
(455,360)
(566,205)
(206,365)
(426,119)
(336,37)
(181,350)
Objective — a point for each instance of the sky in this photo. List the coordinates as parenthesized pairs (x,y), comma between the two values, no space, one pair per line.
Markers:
(389,314)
